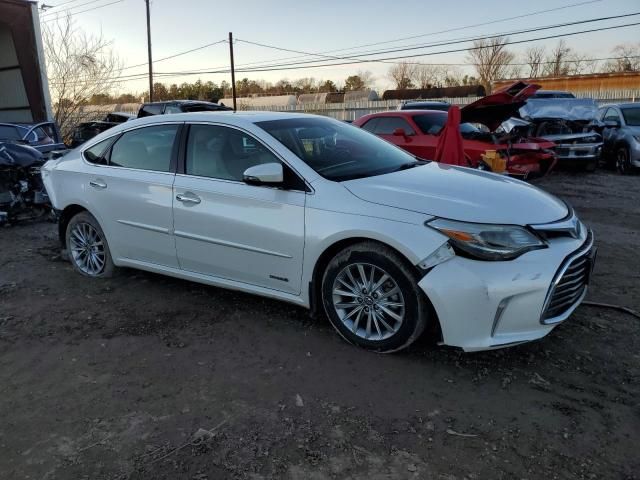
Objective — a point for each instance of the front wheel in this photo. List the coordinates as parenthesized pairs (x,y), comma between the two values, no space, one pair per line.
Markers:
(623,163)
(371,296)
(87,247)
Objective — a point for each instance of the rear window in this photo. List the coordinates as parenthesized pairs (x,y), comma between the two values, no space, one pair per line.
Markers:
(431,124)
(151,109)
(9,132)
(387,125)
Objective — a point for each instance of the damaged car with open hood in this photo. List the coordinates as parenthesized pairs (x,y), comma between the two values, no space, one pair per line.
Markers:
(522,155)
(568,122)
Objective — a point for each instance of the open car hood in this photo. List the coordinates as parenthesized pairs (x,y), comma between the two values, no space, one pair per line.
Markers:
(501,105)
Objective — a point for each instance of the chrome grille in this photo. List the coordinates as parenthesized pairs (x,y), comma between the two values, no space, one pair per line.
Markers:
(570,283)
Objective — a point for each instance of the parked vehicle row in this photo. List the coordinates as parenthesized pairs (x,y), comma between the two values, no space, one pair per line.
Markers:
(87,130)
(417,132)
(319,213)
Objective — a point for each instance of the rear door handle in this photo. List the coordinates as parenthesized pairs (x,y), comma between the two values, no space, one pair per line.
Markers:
(188,198)
(97,184)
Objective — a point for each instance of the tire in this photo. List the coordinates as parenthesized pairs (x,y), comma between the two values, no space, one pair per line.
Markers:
(387,319)
(84,231)
(623,164)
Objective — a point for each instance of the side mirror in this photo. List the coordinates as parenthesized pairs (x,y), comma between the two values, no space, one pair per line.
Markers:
(265,174)
(399,132)
(612,124)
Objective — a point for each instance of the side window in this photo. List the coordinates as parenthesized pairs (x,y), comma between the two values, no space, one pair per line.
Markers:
(150,109)
(172,109)
(370,126)
(386,126)
(96,153)
(147,148)
(222,152)
(612,116)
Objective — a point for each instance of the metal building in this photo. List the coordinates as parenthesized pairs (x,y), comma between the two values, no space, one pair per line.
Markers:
(24,90)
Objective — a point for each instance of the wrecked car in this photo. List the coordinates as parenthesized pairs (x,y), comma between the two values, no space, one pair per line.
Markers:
(416,131)
(571,124)
(44,137)
(22,193)
(87,130)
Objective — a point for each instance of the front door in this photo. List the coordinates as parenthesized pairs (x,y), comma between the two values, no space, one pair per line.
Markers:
(226,228)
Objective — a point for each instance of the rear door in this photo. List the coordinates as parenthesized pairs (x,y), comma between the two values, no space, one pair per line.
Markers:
(129,188)
(228,229)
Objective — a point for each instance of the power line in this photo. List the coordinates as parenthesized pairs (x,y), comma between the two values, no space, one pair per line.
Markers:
(395,50)
(49,14)
(439,44)
(539,12)
(84,11)
(435,33)
(177,54)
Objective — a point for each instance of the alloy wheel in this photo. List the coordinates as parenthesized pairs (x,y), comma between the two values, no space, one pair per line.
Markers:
(87,249)
(368,301)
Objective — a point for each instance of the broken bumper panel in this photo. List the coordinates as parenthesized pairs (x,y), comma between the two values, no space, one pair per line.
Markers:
(486,305)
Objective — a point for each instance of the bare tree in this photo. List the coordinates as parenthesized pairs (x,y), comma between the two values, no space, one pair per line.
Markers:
(428,76)
(490,58)
(627,58)
(402,74)
(558,61)
(534,58)
(79,66)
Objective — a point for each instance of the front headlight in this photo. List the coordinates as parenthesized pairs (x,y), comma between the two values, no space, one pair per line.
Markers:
(487,241)
(637,137)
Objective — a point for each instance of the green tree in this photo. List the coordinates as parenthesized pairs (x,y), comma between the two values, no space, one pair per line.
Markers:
(328,87)
(354,83)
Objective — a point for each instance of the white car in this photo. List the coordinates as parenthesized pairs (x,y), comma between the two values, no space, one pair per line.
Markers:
(325,215)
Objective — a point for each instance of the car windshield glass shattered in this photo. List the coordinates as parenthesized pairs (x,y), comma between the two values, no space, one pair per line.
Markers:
(631,116)
(336,150)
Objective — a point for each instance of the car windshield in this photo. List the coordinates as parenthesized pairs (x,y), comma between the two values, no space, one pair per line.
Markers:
(336,150)
(631,116)
(432,124)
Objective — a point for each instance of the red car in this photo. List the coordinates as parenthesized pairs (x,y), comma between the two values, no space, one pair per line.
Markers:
(417,132)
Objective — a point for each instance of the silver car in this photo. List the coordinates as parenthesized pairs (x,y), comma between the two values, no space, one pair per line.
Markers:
(622,135)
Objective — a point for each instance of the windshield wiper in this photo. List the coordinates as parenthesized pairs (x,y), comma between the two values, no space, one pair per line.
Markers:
(407,166)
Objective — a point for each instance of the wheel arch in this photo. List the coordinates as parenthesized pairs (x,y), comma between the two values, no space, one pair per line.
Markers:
(315,283)
(65,216)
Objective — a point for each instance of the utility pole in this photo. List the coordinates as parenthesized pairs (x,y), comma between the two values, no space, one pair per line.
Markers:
(149,48)
(233,71)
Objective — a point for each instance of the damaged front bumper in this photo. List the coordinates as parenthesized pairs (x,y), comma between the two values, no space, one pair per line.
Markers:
(485,305)
(577,151)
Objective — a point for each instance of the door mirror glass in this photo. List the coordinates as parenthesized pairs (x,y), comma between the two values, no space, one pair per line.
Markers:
(265,174)
(399,132)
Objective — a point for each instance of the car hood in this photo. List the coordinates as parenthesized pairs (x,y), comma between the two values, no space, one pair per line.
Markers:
(576,109)
(460,194)
(574,137)
(501,105)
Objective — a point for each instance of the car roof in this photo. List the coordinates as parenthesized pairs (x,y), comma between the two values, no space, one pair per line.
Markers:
(404,113)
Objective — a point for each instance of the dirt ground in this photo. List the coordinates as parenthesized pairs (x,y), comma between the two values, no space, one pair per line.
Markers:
(148,377)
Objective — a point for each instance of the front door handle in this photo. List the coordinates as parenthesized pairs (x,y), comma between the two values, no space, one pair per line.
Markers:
(188,198)
(97,184)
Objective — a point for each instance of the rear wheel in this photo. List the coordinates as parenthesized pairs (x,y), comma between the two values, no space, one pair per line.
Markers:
(623,163)
(372,298)
(87,247)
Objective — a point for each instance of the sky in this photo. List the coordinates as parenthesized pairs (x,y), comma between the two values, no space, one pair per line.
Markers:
(328,26)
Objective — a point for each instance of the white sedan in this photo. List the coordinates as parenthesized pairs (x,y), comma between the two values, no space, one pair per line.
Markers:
(325,215)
